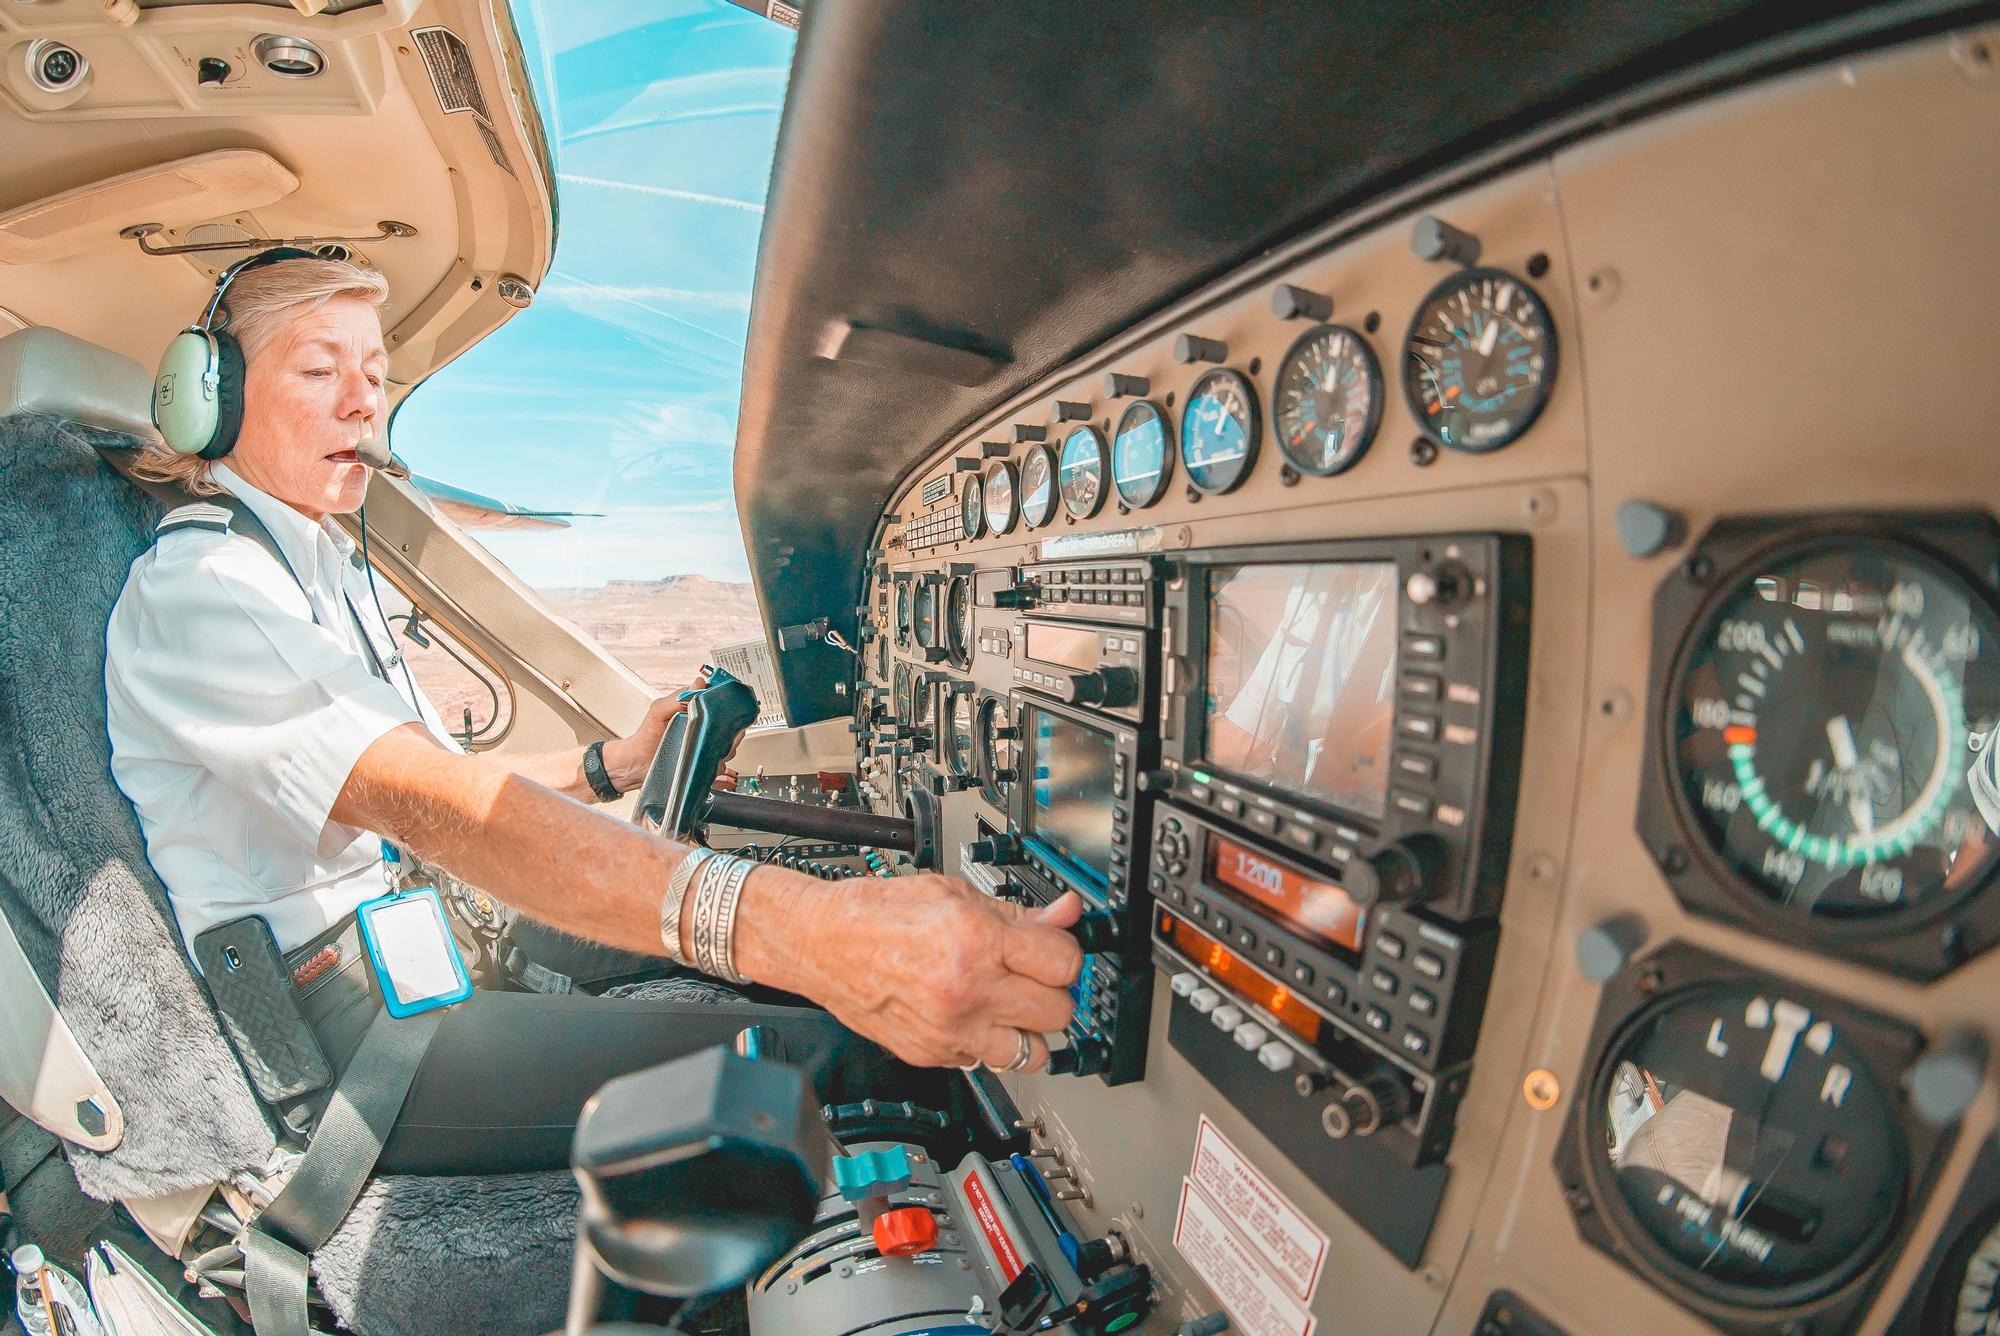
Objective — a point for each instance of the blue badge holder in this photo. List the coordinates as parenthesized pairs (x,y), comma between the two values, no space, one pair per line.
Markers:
(401,948)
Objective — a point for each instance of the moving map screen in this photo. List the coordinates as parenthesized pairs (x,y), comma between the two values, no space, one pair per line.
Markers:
(1071,808)
(1301,676)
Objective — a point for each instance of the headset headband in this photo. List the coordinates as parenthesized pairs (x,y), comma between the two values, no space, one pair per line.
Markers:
(228,276)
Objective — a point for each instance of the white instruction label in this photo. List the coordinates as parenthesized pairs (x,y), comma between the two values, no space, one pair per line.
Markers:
(1258,1305)
(1289,1243)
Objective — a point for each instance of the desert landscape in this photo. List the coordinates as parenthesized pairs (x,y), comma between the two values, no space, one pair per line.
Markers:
(663,630)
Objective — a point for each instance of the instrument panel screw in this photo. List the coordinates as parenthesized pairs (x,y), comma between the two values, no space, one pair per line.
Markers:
(1698,570)
(1288,476)
(1541,1089)
(1650,981)
(1603,285)
(1674,860)
(1577,1199)
(1423,452)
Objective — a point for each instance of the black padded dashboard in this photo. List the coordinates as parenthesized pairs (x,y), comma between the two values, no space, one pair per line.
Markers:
(1012,185)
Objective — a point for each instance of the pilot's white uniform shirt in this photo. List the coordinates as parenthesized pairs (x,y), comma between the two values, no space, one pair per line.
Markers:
(235,719)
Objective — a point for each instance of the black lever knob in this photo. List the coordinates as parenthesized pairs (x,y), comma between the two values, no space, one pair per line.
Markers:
(1022,595)
(1156,781)
(1068,410)
(1118,385)
(1096,931)
(1432,238)
(1195,348)
(1391,876)
(1083,1057)
(1292,303)
(1000,850)
(1108,687)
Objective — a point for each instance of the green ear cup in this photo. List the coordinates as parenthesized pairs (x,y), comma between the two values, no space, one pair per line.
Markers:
(184,396)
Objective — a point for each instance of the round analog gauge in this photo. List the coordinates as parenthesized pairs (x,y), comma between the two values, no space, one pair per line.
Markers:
(1082,471)
(1832,731)
(1480,360)
(996,747)
(1141,465)
(958,620)
(1748,1142)
(1327,401)
(901,696)
(920,698)
(1967,1297)
(1000,496)
(1219,431)
(960,732)
(903,612)
(882,657)
(1038,486)
(924,612)
(972,508)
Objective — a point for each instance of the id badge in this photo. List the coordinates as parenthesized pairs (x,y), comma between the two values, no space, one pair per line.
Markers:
(411,950)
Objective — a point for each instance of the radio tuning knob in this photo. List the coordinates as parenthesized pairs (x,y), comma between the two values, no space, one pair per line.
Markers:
(1084,1057)
(1448,586)
(1108,687)
(1096,931)
(1000,850)
(1007,733)
(1155,781)
(1390,876)
(1364,1107)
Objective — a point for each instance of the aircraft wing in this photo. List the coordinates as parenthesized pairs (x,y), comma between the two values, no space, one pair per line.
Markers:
(470,510)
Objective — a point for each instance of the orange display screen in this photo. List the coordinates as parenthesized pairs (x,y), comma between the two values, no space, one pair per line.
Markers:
(1318,909)
(1229,968)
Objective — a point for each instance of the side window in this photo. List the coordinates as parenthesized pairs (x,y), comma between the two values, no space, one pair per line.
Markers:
(663,630)
(472,696)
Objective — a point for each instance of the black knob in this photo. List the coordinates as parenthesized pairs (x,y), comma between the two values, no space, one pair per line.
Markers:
(1290,303)
(1023,433)
(1156,781)
(1021,595)
(936,654)
(1108,687)
(1434,239)
(1096,1256)
(1002,850)
(1194,348)
(1094,932)
(1448,586)
(1070,411)
(1084,1057)
(1365,1107)
(1117,385)
(1392,876)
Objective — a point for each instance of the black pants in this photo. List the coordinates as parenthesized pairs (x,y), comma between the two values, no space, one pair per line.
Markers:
(507,1074)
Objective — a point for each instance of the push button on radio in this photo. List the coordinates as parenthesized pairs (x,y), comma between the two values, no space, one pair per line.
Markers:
(1420,646)
(1390,945)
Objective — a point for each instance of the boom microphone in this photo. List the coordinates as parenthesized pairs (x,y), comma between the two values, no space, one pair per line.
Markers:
(374,452)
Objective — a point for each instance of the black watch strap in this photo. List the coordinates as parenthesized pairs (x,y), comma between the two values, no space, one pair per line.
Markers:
(596,775)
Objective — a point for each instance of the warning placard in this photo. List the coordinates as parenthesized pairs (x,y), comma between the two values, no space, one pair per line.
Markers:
(1289,1243)
(1258,1305)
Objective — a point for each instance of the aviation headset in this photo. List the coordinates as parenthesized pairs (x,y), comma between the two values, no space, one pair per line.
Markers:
(198,393)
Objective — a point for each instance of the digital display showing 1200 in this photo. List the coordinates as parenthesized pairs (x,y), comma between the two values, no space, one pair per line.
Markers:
(1319,909)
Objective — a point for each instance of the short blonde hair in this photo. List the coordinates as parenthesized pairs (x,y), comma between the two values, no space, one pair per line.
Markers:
(254,309)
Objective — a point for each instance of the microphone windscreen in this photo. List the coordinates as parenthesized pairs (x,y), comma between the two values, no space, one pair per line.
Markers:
(374,452)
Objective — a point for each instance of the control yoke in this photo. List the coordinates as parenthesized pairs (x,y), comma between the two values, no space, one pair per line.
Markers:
(679,795)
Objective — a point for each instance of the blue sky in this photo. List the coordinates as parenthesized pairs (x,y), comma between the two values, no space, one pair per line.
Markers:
(617,390)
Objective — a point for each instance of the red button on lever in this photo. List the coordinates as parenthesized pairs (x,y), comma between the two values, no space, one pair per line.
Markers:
(906,1231)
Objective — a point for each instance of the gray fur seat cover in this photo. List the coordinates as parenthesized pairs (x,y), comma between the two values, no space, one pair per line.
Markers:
(416,1256)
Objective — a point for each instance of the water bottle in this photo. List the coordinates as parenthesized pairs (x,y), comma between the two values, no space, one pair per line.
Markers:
(29,1305)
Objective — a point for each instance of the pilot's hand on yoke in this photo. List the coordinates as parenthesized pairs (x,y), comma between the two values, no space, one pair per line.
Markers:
(626,759)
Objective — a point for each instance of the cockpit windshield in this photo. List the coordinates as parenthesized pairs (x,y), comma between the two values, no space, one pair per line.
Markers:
(607,411)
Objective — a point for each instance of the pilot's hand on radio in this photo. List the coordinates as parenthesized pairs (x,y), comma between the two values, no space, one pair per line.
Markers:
(627,759)
(937,973)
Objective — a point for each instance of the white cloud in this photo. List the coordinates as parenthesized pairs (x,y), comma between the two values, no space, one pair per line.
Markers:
(581,294)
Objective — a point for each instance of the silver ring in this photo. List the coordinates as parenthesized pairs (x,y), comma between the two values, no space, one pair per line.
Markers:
(1026,1054)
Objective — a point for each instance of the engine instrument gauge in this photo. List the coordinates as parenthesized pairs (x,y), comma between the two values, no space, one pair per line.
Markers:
(1219,431)
(1038,486)
(1082,472)
(972,508)
(1141,464)
(921,698)
(960,724)
(958,620)
(1831,731)
(1747,1142)
(1001,496)
(1967,1298)
(900,697)
(1327,401)
(1480,360)
(924,612)
(903,610)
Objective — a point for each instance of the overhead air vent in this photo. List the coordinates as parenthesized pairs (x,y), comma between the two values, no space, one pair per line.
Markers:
(455,80)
